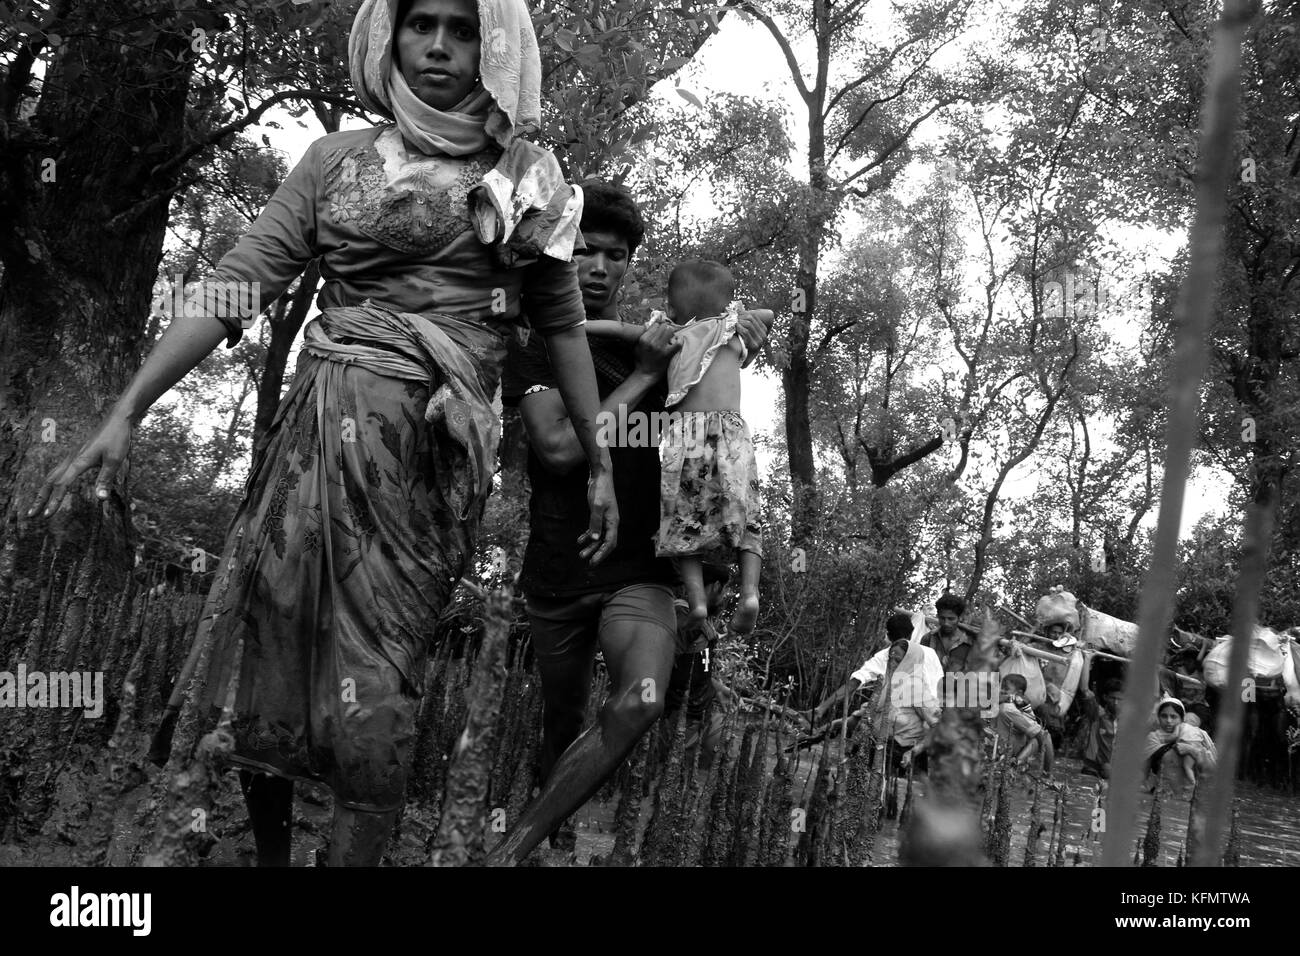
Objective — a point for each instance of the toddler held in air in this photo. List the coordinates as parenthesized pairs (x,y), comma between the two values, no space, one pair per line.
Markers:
(709,499)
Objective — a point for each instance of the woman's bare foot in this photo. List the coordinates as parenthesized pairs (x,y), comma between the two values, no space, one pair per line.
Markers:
(742,622)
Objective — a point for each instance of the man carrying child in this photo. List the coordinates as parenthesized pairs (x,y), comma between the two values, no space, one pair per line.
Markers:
(624,606)
(709,496)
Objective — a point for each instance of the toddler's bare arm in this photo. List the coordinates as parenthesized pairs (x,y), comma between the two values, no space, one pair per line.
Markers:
(623,331)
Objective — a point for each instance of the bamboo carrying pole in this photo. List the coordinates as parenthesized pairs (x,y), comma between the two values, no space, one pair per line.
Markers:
(1063,659)
(1035,652)
(1106,655)
(1004,643)
(1185,636)
(1196,302)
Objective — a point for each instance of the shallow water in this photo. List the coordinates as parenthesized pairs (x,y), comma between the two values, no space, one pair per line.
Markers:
(1268,822)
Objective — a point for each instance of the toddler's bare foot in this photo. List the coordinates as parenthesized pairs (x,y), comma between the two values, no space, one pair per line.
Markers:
(742,622)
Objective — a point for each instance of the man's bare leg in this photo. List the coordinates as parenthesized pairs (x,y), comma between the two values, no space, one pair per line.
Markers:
(358,837)
(640,660)
(566,685)
(751,566)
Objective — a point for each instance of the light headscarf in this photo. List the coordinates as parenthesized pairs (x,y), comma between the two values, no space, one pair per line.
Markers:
(504,104)
(523,208)
(915,680)
(1169,701)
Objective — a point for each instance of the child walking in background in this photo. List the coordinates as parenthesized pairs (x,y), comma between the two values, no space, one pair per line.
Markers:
(1016,727)
(708,474)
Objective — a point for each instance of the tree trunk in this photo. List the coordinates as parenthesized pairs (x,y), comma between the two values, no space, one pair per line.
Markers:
(1076,490)
(991,504)
(1192,314)
(883,469)
(796,379)
(86,226)
(226,450)
(283,334)
(1031,444)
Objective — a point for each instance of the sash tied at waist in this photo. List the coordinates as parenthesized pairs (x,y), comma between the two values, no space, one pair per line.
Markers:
(460,361)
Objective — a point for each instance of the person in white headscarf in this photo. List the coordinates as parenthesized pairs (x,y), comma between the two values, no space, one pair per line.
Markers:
(911,706)
(479,88)
(436,234)
(1190,745)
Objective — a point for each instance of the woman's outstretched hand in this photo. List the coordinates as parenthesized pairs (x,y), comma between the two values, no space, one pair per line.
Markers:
(107,447)
(599,539)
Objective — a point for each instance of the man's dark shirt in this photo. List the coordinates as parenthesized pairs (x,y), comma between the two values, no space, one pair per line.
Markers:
(558,512)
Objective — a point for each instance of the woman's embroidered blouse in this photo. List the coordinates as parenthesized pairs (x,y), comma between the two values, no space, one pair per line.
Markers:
(391,226)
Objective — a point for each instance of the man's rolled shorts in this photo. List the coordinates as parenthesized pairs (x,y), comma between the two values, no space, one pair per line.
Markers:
(566,627)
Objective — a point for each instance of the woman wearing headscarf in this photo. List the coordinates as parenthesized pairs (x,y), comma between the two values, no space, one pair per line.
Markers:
(435,233)
(914,677)
(1191,746)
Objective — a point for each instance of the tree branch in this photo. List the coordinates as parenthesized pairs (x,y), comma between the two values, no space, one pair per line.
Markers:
(898,143)
(902,88)
(773,28)
(880,474)
(830,333)
(245,121)
(872,73)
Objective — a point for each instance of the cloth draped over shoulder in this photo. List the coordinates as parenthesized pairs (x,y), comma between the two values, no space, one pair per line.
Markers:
(523,208)
(1185,739)
(441,351)
(914,690)
(918,671)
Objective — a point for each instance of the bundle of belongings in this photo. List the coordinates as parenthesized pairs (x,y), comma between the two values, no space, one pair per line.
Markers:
(1092,628)
(1273,664)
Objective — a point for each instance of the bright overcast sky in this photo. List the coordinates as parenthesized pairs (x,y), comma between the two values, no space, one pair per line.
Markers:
(743,59)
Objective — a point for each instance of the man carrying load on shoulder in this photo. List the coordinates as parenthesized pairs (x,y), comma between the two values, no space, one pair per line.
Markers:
(949,642)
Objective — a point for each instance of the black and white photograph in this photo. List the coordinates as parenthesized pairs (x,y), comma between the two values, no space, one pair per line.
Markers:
(570,434)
